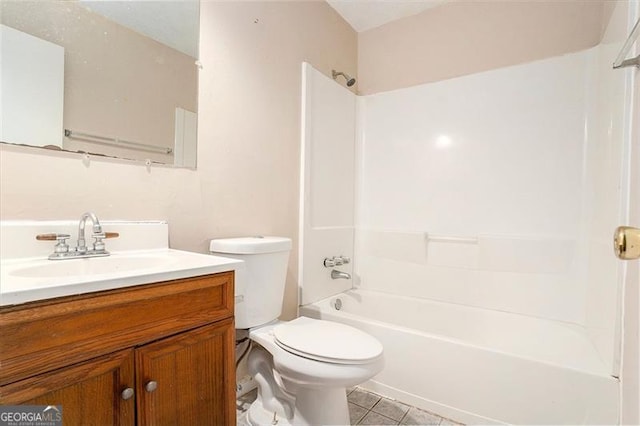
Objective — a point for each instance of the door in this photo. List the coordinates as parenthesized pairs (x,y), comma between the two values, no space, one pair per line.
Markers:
(188,379)
(630,372)
(97,392)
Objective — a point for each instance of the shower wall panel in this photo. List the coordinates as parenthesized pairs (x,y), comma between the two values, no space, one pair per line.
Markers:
(327,183)
(472,189)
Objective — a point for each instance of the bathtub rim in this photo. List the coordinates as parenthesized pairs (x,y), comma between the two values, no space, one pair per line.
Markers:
(332,311)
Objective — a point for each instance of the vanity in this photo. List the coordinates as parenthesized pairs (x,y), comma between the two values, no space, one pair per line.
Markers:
(153,345)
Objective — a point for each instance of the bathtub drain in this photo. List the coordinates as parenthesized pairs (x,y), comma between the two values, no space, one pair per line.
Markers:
(337,304)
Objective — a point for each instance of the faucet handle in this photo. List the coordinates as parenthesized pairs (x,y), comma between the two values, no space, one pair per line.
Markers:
(52,237)
(61,245)
(330,262)
(98,244)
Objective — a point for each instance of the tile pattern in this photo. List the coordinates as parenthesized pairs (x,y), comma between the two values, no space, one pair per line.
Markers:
(366,408)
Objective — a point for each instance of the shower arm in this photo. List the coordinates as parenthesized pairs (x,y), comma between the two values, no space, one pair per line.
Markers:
(350,80)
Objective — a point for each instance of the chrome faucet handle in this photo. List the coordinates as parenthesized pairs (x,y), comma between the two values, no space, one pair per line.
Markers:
(330,262)
(61,241)
(98,244)
(61,244)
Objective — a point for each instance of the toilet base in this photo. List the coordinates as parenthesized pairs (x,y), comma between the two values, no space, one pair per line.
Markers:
(258,416)
(301,390)
(312,407)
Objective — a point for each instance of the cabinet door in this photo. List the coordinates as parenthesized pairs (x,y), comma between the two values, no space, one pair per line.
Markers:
(91,393)
(188,379)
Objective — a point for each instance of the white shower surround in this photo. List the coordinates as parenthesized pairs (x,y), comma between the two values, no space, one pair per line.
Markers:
(505,159)
(493,193)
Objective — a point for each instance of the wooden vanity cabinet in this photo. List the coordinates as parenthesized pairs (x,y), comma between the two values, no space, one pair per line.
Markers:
(88,392)
(159,354)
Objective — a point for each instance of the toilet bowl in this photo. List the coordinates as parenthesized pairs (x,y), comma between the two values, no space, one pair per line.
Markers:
(315,361)
(302,367)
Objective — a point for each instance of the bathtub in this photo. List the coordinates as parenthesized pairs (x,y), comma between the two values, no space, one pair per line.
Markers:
(472,364)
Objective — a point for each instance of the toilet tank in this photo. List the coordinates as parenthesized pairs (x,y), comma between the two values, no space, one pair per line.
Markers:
(259,283)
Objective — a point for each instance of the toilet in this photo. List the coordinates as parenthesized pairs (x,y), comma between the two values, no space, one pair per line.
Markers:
(302,367)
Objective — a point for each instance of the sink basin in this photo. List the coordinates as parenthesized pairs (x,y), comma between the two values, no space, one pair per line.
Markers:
(91,266)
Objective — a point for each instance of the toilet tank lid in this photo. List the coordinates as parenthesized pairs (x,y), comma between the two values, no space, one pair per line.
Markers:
(250,245)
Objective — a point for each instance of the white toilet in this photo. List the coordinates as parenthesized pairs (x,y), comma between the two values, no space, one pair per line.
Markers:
(303,366)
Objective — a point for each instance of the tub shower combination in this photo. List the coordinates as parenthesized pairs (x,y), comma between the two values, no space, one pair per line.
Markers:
(507,309)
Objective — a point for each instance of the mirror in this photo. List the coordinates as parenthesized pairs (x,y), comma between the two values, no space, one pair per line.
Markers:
(108,77)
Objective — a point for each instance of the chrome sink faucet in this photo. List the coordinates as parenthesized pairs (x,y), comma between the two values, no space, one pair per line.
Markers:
(97,229)
(63,251)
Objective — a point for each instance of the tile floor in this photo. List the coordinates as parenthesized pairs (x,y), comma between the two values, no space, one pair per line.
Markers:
(367,408)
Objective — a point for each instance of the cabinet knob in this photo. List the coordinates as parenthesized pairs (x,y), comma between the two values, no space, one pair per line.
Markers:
(151,386)
(127,393)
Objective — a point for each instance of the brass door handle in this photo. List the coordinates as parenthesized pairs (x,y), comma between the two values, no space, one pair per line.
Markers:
(626,243)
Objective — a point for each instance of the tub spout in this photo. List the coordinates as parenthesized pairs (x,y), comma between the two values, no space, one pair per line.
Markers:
(335,274)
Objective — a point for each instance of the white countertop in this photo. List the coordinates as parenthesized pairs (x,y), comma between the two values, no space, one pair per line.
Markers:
(29,279)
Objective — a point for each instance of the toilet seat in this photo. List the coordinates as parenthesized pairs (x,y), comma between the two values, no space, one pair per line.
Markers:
(327,341)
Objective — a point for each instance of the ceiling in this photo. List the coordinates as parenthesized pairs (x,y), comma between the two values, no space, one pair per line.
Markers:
(363,15)
(171,22)
(174,22)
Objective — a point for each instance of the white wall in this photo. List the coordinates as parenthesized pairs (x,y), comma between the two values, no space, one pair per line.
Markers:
(630,374)
(500,190)
(606,187)
(327,183)
(495,156)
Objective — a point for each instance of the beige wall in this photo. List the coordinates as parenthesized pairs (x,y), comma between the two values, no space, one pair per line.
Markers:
(117,81)
(248,138)
(479,35)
